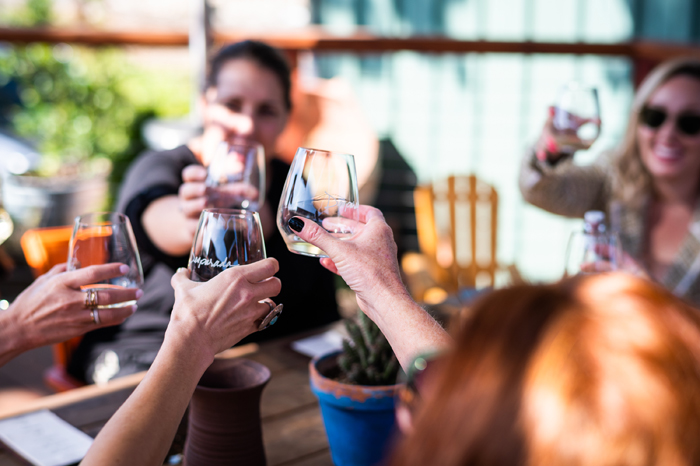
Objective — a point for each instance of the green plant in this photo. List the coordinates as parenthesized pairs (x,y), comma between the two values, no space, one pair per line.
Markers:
(367,358)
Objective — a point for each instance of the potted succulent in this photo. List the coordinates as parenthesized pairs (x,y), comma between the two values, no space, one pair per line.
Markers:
(356,390)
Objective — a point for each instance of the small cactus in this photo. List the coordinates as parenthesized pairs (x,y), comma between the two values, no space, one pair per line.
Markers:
(367,358)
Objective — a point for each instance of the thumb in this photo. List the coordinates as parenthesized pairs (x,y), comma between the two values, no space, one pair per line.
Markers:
(314,234)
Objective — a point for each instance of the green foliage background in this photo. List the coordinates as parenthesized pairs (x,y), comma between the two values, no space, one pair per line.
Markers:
(83,107)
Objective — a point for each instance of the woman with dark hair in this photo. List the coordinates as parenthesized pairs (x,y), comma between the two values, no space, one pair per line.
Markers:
(649,186)
(247,96)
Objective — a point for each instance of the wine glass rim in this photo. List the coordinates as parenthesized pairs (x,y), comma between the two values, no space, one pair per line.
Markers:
(224,211)
(80,219)
(331,152)
(241,141)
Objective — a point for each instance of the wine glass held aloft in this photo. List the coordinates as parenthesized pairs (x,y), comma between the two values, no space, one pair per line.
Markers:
(575,118)
(236,175)
(227,238)
(105,238)
(321,186)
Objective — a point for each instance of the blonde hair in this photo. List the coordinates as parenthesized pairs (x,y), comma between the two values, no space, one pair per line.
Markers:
(631,180)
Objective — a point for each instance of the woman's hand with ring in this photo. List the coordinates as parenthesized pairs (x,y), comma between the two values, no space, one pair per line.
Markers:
(214,315)
(53,308)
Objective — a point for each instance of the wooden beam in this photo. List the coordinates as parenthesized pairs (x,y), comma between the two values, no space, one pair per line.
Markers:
(316,39)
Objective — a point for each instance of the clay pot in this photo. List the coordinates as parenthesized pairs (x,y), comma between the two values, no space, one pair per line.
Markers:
(224,419)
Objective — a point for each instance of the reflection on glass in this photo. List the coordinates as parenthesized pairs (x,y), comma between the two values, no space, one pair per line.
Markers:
(225,238)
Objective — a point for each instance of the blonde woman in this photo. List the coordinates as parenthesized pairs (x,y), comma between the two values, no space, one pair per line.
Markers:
(649,186)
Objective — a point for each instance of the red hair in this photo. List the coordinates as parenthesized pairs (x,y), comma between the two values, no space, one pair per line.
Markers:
(597,370)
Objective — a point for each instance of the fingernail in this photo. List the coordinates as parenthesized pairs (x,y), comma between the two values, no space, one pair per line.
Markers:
(296,224)
(180,269)
(123,269)
(139,293)
(134,307)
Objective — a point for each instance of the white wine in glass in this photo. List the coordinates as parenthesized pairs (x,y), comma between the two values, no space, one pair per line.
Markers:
(104,238)
(321,186)
(576,120)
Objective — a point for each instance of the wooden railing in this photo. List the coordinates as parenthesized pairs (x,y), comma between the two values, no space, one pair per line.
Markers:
(644,54)
(313,38)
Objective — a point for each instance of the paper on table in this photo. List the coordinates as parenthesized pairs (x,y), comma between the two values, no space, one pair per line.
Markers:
(44,439)
(318,345)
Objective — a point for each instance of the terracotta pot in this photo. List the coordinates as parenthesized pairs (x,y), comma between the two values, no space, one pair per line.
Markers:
(224,419)
(359,419)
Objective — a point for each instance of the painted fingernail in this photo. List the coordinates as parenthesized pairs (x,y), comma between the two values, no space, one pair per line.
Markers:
(123,269)
(296,224)
(134,308)
(139,293)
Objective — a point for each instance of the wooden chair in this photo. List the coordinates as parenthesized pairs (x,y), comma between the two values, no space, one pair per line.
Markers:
(457,221)
(43,248)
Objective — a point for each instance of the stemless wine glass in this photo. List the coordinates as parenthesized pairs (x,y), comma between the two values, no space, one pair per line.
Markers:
(225,238)
(104,238)
(6,226)
(593,250)
(236,176)
(321,186)
(576,118)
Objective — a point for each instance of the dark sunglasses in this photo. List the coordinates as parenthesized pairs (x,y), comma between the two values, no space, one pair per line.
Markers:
(686,123)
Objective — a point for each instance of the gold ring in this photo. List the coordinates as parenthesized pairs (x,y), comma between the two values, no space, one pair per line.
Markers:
(272,316)
(94,313)
(90,299)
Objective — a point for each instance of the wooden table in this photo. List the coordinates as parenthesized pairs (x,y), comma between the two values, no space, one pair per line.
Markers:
(293,431)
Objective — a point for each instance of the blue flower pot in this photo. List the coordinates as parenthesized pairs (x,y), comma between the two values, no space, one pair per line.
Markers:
(359,420)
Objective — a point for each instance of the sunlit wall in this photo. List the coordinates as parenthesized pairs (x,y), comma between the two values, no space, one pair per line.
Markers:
(477,113)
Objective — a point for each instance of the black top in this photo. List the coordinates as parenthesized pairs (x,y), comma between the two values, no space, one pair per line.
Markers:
(308,290)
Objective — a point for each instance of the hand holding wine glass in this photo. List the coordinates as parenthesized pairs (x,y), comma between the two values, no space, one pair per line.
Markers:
(321,186)
(573,123)
(594,249)
(105,238)
(227,238)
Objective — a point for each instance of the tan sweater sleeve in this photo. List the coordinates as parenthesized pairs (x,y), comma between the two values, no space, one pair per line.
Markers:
(563,188)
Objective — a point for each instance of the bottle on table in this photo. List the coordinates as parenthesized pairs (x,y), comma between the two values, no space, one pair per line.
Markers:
(595,249)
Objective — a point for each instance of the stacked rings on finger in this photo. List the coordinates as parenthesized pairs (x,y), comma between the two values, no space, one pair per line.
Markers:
(90,299)
(91,303)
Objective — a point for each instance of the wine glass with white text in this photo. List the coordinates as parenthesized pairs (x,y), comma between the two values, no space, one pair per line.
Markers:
(576,119)
(236,176)
(103,238)
(225,238)
(321,186)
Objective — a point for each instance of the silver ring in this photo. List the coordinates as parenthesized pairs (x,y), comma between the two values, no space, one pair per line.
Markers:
(90,299)
(94,313)
(272,316)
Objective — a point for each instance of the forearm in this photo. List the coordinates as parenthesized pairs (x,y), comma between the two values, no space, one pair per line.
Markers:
(12,340)
(408,328)
(143,428)
(167,227)
(562,189)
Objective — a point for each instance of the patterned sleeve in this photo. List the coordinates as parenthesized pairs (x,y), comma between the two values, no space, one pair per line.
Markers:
(563,188)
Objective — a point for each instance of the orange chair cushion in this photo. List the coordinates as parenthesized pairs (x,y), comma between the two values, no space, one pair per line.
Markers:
(45,247)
